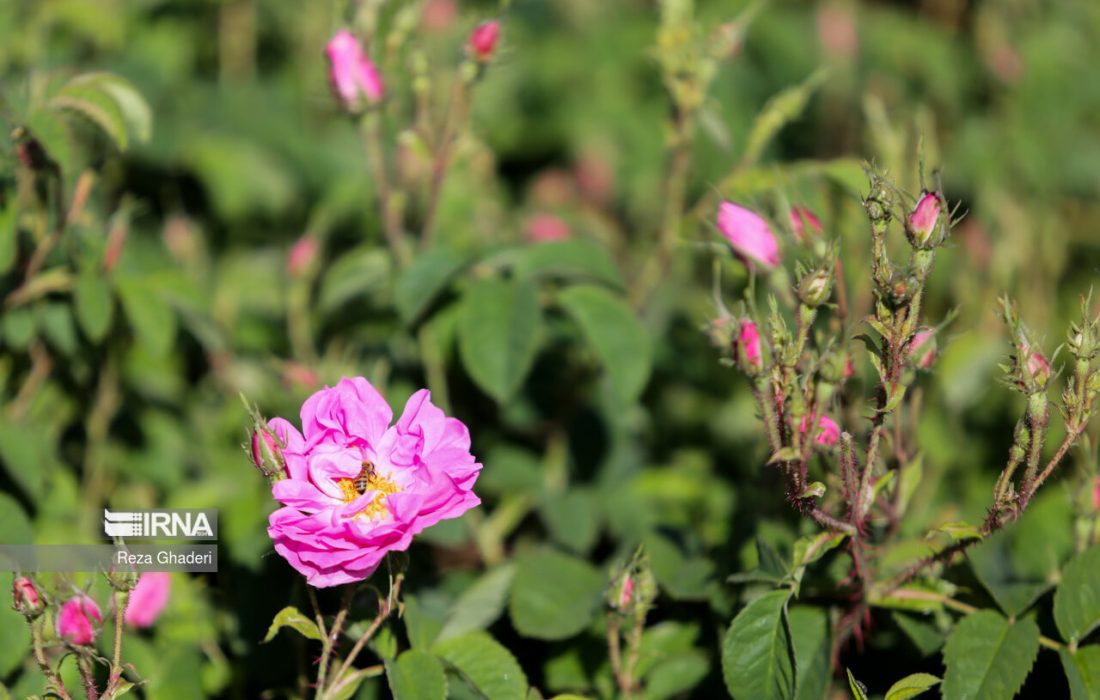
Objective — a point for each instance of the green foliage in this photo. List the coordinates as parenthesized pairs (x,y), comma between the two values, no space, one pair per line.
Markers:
(988,656)
(416,675)
(554,595)
(291,617)
(487,666)
(499,334)
(757,658)
(1077,600)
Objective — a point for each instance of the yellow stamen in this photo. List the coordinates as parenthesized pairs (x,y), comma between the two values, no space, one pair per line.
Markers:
(382,487)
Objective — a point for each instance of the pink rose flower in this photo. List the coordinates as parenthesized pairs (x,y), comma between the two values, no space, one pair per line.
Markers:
(483,40)
(805,223)
(749,235)
(352,74)
(147,599)
(828,432)
(922,348)
(25,596)
(357,487)
(77,620)
(543,227)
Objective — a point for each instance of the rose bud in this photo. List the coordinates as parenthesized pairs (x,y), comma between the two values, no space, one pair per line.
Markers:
(748,350)
(815,288)
(483,40)
(25,597)
(1037,365)
(922,348)
(148,599)
(828,432)
(301,256)
(351,73)
(805,224)
(77,619)
(749,235)
(922,221)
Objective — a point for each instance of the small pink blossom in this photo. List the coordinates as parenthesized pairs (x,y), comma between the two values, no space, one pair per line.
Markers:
(805,223)
(77,620)
(257,447)
(749,235)
(543,227)
(1037,365)
(748,339)
(626,593)
(836,29)
(922,220)
(483,40)
(849,369)
(828,432)
(148,599)
(357,488)
(302,255)
(922,348)
(352,74)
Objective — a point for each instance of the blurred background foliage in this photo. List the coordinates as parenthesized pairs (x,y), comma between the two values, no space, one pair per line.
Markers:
(120,380)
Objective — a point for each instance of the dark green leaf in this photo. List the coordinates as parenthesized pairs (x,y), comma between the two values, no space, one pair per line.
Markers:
(1077,600)
(485,664)
(481,604)
(362,271)
(988,658)
(572,518)
(152,318)
(809,628)
(498,334)
(554,595)
(94,307)
(9,234)
(575,259)
(757,658)
(924,635)
(27,454)
(416,675)
(1082,671)
(424,280)
(618,337)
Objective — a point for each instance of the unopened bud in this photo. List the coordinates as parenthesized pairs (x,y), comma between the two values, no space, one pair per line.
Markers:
(804,224)
(815,288)
(25,597)
(922,348)
(77,620)
(923,219)
(302,255)
(483,40)
(749,353)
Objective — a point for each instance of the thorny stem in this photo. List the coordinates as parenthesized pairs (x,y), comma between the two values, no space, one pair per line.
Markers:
(451,122)
(54,683)
(614,652)
(333,638)
(1067,442)
(385,609)
(87,676)
(121,600)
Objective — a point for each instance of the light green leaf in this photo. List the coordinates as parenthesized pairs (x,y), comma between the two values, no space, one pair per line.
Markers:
(911,686)
(485,664)
(859,691)
(1082,671)
(51,131)
(481,604)
(9,234)
(988,658)
(781,109)
(27,454)
(345,688)
(424,280)
(757,658)
(361,272)
(94,307)
(135,111)
(499,334)
(809,628)
(153,320)
(554,595)
(1077,600)
(617,336)
(291,617)
(96,105)
(416,675)
(575,259)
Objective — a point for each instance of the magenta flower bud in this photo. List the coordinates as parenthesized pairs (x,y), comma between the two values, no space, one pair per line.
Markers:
(849,369)
(1096,493)
(483,40)
(749,235)
(77,620)
(1037,366)
(923,219)
(25,598)
(805,224)
(828,432)
(748,345)
(148,599)
(922,348)
(543,227)
(626,592)
(302,255)
(351,73)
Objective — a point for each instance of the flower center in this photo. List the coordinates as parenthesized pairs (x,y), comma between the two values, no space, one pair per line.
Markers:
(368,480)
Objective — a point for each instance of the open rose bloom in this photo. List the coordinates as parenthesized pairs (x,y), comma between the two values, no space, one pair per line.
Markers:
(357,487)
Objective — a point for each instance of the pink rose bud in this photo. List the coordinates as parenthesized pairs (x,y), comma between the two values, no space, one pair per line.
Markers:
(748,343)
(25,596)
(922,348)
(626,593)
(1096,493)
(1037,365)
(849,369)
(828,432)
(483,40)
(352,74)
(749,235)
(148,599)
(301,255)
(805,224)
(922,221)
(77,620)
(547,227)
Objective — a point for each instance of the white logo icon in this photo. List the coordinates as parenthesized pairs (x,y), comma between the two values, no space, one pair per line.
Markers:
(156,524)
